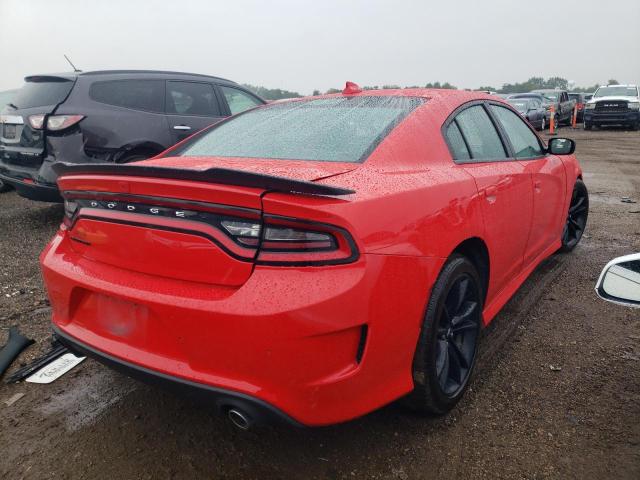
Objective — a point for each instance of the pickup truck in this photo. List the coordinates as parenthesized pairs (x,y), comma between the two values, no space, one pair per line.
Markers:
(560,100)
(613,105)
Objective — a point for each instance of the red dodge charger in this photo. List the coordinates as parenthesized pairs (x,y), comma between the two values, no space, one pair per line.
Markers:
(315,259)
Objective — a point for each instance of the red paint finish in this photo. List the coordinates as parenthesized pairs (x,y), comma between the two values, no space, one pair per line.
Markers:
(185,299)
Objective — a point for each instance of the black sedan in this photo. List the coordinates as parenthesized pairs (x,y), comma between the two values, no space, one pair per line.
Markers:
(532,109)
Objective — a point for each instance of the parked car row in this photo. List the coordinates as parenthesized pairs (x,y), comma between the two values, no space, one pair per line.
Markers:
(611,105)
(105,116)
(541,102)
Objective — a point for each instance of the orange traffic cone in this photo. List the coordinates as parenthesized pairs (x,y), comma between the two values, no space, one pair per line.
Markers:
(552,121)
(574,118)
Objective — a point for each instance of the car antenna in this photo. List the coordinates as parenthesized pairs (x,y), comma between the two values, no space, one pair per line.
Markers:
(72,65)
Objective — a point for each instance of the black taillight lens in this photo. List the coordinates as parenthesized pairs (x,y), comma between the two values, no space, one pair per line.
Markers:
(287,241)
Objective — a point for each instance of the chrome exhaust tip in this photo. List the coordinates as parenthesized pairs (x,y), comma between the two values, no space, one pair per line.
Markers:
(239,419)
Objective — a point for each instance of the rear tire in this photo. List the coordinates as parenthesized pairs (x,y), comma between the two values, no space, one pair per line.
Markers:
(4,187)
(447,346)
(576,217)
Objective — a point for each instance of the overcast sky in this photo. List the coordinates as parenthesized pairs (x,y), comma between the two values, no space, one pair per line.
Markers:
(304,45)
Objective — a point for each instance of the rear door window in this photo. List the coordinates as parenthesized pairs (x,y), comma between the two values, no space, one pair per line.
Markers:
(524,142)
(192,98)
(147,95)
(480,134)
(238,100)
(45,92)
(459,149)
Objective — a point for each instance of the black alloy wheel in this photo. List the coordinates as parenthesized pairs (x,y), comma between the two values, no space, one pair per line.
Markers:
(447,346)
(457,332)
(576,217)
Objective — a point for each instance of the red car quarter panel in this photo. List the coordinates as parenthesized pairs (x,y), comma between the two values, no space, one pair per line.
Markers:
(292,261)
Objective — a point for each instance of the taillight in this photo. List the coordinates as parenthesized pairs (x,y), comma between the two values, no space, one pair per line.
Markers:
(285,241)
(60,122)
(55,122)
(36,121)
(269,240)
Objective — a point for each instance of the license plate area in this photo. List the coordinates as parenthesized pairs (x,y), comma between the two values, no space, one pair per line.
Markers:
(9,131)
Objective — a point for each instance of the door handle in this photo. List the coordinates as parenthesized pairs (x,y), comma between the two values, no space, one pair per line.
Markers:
(181,127)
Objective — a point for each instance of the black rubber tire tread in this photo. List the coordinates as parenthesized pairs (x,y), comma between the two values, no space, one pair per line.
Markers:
(427,396)
(583,188)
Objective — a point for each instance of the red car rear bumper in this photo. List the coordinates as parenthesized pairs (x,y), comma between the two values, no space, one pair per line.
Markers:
(315,345)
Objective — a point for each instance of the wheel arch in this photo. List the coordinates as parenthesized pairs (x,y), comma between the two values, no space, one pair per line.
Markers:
(476,250)
(139,147)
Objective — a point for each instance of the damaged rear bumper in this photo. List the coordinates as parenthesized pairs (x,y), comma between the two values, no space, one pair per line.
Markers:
(36,180)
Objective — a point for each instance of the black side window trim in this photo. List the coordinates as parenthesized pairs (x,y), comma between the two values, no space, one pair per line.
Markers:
(506,144)
(505,137)
(221,110)
(452,117)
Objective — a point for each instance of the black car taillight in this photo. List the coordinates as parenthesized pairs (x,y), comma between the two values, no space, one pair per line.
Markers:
(286,241)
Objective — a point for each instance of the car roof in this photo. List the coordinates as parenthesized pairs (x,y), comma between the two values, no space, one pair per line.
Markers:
(128,73)
(625,86)
(429,93)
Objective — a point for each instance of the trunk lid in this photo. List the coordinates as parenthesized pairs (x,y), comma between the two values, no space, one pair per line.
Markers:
(169,221)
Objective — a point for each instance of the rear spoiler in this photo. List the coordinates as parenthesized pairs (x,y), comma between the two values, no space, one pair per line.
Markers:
(224,176)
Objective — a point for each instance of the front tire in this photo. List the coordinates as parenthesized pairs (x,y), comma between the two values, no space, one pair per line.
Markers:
(576,217)
(447,346)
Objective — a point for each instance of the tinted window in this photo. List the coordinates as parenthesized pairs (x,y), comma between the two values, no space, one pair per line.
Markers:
(190,98)
(456,142)
(480,134)
(331,129)
(524,141)
(42,93)
(238,100)
(136,94)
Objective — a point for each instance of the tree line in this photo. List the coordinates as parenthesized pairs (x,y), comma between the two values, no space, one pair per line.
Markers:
(534,83)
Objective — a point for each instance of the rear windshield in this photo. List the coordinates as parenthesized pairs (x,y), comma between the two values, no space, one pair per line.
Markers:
(341,129)
(42,93)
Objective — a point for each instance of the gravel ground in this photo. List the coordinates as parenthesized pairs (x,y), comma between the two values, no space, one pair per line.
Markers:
(520,419)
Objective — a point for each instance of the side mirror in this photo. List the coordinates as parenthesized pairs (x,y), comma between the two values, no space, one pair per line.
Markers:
(619,282)
(561,146)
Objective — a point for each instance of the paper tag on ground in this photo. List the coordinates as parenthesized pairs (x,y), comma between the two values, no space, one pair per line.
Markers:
(55,369)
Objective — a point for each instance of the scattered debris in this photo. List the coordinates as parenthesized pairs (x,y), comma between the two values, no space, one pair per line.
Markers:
(57,349)
(555,368)
(627,200)
(13,399)
(15,344)
(55,369)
